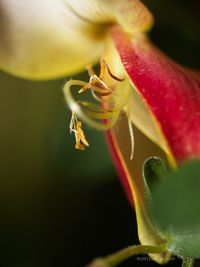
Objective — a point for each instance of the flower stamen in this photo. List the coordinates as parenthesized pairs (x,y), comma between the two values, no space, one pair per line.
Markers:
(76,127)
(110,102)
(132,139)
(96,83)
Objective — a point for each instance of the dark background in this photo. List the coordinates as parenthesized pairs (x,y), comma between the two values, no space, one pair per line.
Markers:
(58,206)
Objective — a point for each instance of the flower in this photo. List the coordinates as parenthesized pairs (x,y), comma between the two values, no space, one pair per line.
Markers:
(161,98)
(169,116)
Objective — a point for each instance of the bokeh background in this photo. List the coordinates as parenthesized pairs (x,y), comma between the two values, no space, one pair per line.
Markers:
(58,206)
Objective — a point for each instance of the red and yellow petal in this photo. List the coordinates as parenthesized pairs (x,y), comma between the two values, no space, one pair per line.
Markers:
(171,95)
(170,91)
(130,173)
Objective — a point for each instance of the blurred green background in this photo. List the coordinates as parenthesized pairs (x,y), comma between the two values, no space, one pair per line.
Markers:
(60,206)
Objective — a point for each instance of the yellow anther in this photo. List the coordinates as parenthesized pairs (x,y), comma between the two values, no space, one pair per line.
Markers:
(96,84)
(76,128)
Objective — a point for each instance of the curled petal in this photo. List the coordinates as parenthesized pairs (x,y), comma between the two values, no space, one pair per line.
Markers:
(131,15)
(170,92)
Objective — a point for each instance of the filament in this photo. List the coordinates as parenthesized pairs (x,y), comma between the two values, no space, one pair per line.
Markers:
(77,108)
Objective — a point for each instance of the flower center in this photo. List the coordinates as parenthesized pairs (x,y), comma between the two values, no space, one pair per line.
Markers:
(109,103)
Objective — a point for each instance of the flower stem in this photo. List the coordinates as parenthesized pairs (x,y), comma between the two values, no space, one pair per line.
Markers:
(187,262)
(118,257)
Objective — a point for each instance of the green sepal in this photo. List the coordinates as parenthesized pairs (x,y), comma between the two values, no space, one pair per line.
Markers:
(175,209)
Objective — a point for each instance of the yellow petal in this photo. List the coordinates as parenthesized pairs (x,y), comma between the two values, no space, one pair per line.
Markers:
(132,15)
(45,39)
(53,38)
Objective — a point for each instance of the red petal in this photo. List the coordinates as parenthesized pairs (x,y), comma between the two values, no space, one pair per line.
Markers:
(130,172)
(171,92)
(118,161)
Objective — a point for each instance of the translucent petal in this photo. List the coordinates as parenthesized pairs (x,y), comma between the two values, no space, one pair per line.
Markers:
(131,177)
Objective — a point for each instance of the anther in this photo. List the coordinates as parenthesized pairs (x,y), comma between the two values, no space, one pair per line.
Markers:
(76,128)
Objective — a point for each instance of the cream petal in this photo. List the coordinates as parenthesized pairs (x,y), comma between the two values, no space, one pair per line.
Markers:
(45,39)
(52,38)
(132,15)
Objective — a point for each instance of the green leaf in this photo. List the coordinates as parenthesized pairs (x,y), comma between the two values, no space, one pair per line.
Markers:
(154,171)
(175,209)
(187,262)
